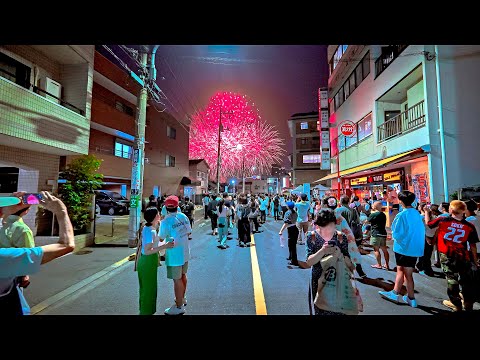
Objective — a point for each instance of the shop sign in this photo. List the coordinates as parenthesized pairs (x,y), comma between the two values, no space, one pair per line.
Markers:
(375,178)
(347,128)
(358,181)
(392,176)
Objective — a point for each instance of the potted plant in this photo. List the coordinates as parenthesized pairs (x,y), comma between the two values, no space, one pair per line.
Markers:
(77,193)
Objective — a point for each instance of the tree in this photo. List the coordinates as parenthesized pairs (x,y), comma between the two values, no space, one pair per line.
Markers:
(82,179)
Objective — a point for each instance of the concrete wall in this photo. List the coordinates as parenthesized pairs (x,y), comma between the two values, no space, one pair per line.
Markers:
(415,94)
(35,170)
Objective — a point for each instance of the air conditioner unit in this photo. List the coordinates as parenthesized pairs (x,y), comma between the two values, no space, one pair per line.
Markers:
(52,88)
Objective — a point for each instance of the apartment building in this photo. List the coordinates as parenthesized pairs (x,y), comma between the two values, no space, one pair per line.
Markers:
(305,157)
(45,109)
(114,109)
(415,113)
(199,173)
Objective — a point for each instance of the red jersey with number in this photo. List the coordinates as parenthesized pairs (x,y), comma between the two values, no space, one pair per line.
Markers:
(453,235)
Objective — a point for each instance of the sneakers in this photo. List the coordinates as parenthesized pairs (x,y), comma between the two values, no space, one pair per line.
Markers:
(451,305)
(174,310)
(390,295)
(411,302)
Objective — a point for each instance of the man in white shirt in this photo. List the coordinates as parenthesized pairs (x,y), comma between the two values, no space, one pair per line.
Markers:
(176,226)
(473,217)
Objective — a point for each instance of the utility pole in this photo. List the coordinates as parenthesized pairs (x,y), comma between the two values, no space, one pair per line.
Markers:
(243,174)
(147,75)
(218,152)
(220,129)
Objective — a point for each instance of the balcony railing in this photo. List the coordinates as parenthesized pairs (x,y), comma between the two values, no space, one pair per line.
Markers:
(387,57)
(7,75)
(404,122)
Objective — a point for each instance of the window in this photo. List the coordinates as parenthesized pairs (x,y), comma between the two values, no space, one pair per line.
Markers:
(341,49)
(15,71)
(341,97)
(337,100)
(171,132)
(170,161)
(304,141)
(312,159)
(199,174)
(123,149)
(351,80)
(366,65)
(123,108)
(364,127)
(346,89)
(358,74)
(304,125)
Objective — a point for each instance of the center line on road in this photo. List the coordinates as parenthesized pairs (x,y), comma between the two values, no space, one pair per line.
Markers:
(260,305)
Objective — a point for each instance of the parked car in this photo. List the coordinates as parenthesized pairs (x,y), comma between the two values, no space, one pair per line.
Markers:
(111,202)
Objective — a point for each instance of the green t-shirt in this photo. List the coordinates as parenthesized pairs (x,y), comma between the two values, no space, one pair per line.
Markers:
(15,233)
(378,220)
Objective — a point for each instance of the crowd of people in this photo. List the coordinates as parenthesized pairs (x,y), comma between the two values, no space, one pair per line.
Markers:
(330,228)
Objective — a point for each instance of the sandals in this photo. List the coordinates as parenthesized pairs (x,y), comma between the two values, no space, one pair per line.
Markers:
(386,268)
(376,266)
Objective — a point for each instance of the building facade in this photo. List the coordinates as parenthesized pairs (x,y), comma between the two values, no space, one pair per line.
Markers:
(414,108)
(45,110)
(199,173)
(305,155)
(112,136)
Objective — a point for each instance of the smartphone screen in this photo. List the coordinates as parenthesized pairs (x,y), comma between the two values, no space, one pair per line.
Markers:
(32,199)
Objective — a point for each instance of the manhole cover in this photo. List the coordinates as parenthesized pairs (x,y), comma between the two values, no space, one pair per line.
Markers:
(82,252)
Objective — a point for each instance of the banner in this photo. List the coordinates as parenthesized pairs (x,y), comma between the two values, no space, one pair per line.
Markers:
(420,187)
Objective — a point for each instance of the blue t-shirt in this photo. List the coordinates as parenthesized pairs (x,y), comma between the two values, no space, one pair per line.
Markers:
(17,262)
(302,210)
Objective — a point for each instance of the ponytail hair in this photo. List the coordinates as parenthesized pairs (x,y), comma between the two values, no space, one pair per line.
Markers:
(220,205)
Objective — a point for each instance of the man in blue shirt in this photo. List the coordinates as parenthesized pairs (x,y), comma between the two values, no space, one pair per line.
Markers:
(302,207)
(16,262)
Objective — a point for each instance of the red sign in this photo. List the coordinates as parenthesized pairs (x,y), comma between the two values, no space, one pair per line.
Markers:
(347,128)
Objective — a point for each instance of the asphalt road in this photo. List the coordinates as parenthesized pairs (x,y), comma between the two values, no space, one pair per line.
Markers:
(230,282)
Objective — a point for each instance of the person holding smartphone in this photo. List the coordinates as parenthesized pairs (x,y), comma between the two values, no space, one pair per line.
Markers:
(15,233)
(16,262)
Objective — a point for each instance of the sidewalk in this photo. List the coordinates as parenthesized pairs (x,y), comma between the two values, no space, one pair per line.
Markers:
(75,267)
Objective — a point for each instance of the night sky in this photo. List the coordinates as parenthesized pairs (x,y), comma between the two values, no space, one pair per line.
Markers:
(280,79)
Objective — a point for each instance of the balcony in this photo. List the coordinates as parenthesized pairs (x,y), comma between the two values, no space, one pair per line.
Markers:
(35,120)
(389,54)
(409,120)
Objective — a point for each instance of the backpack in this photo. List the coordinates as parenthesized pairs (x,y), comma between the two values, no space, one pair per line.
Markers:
(355,224)
(187,209)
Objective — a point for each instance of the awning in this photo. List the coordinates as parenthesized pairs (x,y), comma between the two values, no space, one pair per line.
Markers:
(185,181)
(370,165)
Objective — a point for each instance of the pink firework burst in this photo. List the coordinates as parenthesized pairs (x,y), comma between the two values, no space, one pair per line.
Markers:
(248,144)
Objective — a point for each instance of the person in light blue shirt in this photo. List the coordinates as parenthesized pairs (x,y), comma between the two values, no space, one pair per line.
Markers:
(263,209)
(302,207)
(408,233)
(16,262)
(205,201)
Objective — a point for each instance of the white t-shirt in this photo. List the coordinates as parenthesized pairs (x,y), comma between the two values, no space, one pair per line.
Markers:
(149,235)
(475,220)
(177,226)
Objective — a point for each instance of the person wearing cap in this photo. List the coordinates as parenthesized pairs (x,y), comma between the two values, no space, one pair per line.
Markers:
(164,212)
(176,226)
(290,223)
(302,207)
(16,262)
(473,217)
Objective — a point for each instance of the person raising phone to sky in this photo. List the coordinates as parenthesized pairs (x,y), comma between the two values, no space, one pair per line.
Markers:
(16,262)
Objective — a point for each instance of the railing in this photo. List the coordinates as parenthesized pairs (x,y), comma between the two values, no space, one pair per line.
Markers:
(111,151)
(384,61)
(7,75)
(404,122)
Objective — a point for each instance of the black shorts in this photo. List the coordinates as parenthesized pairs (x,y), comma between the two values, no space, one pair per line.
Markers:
(405,261)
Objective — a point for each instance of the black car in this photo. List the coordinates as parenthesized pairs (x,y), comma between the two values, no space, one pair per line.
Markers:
(111,202)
